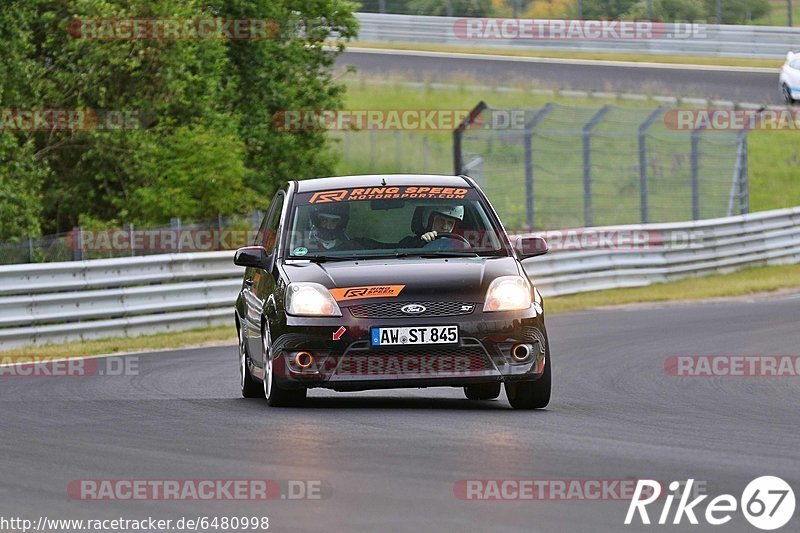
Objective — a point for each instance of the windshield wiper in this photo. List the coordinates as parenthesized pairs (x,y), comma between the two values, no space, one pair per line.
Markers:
(441,254)
(321,258)
(324,258)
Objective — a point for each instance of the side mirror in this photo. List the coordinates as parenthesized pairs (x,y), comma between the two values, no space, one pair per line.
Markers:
(530,246)
(253,256)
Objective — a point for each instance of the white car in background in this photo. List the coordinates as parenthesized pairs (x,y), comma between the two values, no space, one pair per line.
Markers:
(790,78)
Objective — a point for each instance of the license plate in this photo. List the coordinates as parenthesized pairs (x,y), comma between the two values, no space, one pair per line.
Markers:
(415,335)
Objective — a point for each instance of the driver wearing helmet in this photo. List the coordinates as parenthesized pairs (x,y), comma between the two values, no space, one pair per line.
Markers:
(328,226)
(431,222)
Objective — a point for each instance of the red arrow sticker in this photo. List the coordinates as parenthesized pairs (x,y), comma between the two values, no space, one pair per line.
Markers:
(338,333)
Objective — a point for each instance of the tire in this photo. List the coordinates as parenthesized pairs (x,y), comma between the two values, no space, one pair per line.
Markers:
(531,394)
(250,388)
(277,396)
(483,391)
(787,94)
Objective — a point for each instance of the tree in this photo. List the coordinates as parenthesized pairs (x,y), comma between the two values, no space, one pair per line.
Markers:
(738,11)
(671,10)
(606,9)
(460,8)
(292,72)
(198,138)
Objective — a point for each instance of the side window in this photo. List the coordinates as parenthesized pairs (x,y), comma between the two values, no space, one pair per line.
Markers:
(270,236)
(261,229)
(266,235)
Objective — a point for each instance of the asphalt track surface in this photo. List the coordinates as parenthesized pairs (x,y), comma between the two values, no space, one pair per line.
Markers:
(755,87)
(389,460)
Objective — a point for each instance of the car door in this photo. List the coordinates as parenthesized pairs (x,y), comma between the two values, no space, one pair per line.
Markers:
(258,283)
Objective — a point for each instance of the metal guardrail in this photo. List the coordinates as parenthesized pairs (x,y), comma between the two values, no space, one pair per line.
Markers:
(711,40)
(74,301)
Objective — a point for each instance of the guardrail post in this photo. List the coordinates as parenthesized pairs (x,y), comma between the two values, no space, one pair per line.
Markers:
(29,246)
(695,164)
(220,229)
(643,179)
(739,172)
(528,145)
(131,238)
(458,133)
(175,226)
(587,162)
(744,178)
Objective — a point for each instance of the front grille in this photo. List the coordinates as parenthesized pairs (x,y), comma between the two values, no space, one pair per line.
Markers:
(361,360)
(393,309)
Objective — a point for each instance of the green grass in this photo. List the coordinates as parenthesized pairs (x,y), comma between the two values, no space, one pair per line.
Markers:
(778,15)
(159,341)
(744,282)
(774,168)
(598,56)
(748,281)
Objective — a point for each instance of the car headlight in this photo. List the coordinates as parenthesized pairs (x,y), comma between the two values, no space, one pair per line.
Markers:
(508,293)
(310,299)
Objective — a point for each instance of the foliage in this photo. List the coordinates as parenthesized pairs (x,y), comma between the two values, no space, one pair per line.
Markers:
(460,8)
(198,138)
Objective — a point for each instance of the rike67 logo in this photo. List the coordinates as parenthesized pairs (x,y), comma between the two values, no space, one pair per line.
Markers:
(767,502)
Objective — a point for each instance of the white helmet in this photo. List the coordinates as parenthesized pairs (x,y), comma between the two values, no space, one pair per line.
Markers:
(452,211)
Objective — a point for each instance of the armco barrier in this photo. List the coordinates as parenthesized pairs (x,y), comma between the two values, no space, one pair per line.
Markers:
(711,40)
(55,302)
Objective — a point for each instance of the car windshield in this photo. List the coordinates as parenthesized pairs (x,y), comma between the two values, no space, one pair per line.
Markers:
(381,222)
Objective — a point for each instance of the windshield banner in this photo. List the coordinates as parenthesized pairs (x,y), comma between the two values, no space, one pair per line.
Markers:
(384,193)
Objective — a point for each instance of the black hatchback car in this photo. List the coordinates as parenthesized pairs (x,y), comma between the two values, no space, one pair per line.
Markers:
(370,282)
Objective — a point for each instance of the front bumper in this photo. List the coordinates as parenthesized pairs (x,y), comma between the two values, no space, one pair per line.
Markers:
(347,360)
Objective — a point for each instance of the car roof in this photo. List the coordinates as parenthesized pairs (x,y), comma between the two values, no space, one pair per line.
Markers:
(376,180)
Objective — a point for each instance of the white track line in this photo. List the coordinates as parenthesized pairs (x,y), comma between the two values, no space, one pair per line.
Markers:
(586,62)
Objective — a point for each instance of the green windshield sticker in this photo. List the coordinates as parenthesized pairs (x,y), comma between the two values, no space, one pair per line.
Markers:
(300,250)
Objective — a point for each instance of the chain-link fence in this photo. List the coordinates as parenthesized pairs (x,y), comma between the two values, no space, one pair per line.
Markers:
(222,233)
(569,166)
(393,152)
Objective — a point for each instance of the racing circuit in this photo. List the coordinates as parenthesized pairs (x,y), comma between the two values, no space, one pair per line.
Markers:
(391,459)
(756,85)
